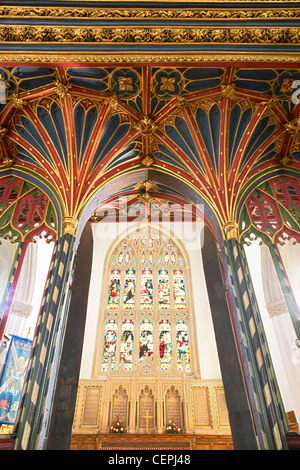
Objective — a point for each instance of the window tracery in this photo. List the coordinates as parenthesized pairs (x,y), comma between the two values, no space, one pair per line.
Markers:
(146,306)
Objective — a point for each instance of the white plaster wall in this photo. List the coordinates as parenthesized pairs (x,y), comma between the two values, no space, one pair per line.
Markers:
(44,256)
(187,236)
(7,253)
(30,286)
(280,345)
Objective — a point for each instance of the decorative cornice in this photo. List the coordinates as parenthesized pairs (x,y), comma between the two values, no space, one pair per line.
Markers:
(147,13)
(108,57)
(152,35)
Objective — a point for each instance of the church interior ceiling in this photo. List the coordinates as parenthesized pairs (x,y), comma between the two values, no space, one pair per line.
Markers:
(79,111)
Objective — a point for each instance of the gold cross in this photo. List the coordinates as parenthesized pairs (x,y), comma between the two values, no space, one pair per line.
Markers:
(147,417)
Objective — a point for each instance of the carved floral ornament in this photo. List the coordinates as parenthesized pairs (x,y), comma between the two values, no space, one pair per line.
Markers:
(146,127)
(187,35)
(148,161)
(197,13)
(293,127)
(145,188)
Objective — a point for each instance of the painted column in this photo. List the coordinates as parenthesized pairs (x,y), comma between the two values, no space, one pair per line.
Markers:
(42,369)
(268,399)
(242,424)
(59,424)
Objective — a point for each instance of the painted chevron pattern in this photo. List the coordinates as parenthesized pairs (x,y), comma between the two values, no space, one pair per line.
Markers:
(254,397)
(264,381)
(30,415)
(271,389)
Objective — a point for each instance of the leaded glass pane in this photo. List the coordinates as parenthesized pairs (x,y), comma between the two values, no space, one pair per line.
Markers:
(120,257)
(127,257)
(109,346)
(165,344)
(146,288)
(183,350)
(146,340)
(129,289)
(114,289)
(163,288)
(179,289)
(126,349)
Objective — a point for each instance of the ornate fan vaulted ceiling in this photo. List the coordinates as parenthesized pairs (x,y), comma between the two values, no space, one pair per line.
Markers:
(221,127)
(216,128)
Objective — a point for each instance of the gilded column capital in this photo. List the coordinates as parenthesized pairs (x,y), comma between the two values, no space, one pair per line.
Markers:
(69,225)
(231,230)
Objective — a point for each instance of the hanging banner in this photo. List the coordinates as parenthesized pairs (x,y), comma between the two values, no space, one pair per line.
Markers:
(12,378)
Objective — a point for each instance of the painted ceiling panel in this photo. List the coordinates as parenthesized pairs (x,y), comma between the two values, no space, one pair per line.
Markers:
(238,124)
(34,139)
(84,125)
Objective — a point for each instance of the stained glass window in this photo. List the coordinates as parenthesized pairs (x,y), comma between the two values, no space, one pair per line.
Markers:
(147,300)
(109,347)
